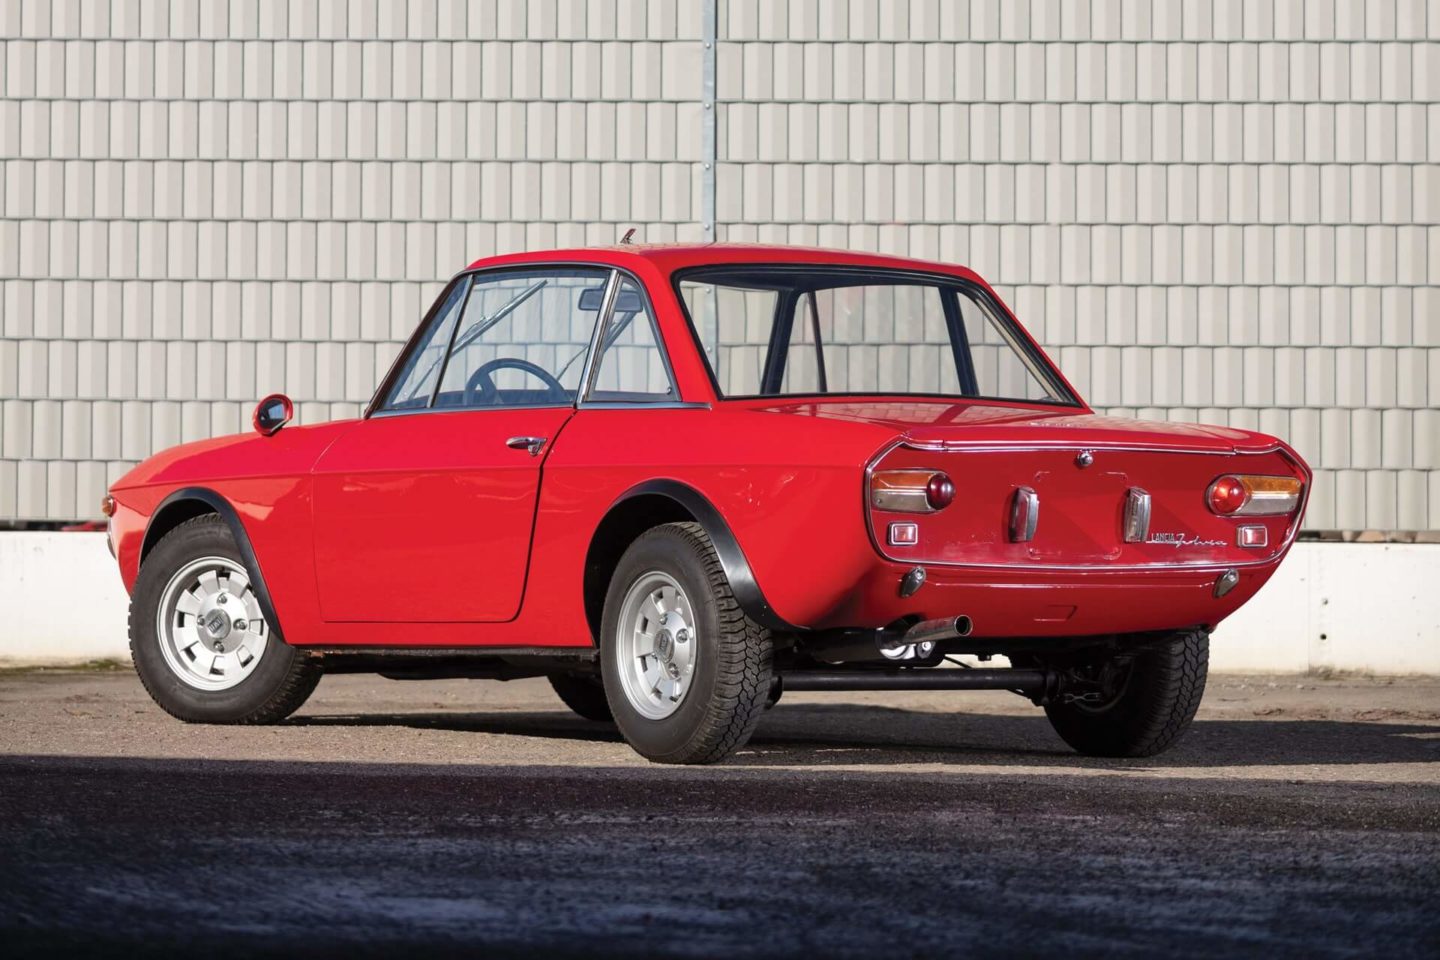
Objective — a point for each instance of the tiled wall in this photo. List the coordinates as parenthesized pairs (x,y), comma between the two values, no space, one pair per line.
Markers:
(1215,211)
(1220,211)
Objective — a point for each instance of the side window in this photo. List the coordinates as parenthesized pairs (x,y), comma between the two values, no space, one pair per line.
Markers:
(632,362)
(416,383)
(523,338)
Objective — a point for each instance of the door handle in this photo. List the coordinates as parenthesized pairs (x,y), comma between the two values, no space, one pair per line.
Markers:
(532,444)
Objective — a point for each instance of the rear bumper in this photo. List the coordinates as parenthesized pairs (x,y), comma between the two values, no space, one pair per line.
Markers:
(1033,603)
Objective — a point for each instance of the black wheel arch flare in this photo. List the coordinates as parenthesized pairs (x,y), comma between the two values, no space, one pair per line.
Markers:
(732,559)
(185,501)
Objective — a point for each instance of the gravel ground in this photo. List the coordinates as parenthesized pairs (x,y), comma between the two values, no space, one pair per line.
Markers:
(1299,817)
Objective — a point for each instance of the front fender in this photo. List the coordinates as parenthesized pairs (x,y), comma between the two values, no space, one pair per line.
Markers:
(188,502)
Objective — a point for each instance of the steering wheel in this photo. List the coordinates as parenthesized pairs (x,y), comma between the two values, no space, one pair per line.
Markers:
(482,381)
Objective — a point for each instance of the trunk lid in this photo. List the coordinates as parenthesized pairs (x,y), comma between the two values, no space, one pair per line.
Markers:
(967,423)
(1083,470)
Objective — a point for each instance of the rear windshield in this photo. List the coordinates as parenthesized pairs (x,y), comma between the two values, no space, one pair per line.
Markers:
(777,331)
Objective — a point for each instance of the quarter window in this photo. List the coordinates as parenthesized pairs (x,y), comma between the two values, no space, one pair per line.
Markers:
(632,364)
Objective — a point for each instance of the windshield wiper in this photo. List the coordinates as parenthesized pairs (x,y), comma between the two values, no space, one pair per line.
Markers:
(475,333)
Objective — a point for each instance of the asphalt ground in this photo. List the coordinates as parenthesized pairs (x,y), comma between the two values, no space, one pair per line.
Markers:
(1300,817)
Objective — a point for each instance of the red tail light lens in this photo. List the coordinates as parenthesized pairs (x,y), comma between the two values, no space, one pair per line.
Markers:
(1226,496)
(939,492)
(911,491)
(1254,496)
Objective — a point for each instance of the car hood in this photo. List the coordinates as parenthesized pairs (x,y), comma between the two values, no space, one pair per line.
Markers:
(946,423)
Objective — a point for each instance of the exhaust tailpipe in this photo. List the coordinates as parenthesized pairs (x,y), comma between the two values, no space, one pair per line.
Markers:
(932,631)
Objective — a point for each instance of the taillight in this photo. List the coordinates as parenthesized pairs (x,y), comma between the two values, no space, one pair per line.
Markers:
(940,492)
(1226,496)
(911,491)
(1244,495)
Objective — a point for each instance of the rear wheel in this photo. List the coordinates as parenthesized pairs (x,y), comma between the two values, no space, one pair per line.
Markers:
(584,695)
(687,673)
(1151,702)
(198,637)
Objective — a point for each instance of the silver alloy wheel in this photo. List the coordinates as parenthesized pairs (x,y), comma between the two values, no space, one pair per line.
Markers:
(211,632)
(656,647)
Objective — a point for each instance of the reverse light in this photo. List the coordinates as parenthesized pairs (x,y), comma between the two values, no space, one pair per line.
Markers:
(1245,495)
(904,534)
(1252,535)
(911,491)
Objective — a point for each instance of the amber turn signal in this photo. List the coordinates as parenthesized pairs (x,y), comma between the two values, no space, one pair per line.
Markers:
(1243,495)
(911,491)
(107,505)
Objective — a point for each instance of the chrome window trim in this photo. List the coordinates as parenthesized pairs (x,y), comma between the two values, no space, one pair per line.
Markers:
(374,408)
(645,405)
(387,382)
(602,320)
(386,414)
(583,399)
(1047,371)
(450,347)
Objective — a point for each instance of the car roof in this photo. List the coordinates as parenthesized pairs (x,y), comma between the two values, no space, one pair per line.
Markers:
(670,257)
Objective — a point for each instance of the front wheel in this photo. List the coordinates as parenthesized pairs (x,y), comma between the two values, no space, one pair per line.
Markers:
(687,673)
(1154,698)
(200,641)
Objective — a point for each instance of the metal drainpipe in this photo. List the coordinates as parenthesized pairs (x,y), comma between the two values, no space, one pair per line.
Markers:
(709,148)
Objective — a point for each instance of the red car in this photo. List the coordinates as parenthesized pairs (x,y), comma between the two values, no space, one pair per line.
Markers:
(679,480)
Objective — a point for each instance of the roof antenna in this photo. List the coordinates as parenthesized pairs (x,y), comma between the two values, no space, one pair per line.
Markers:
(628,234)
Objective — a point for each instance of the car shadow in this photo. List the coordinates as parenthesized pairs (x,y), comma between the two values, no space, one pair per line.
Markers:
(816,735)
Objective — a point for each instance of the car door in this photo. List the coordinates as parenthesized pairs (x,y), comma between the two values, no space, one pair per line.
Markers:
(424,511)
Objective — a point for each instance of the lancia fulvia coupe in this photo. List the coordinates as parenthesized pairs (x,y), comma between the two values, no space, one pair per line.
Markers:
(681,480)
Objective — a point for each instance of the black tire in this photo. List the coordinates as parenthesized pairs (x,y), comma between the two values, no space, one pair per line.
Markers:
(280,682)
(1153,709)
(731,681)
(584,695)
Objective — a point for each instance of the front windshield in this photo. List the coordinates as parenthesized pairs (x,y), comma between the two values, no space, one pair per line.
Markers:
(775,331)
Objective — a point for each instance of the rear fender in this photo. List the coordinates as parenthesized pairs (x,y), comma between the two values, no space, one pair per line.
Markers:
(732,559)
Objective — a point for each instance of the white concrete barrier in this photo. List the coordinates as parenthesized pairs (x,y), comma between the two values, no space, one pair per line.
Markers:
(1369,607)
(61,599)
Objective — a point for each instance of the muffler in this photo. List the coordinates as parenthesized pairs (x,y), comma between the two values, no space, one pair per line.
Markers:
(913,643)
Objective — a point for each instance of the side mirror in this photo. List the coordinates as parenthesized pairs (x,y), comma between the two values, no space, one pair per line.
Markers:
(272,413)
